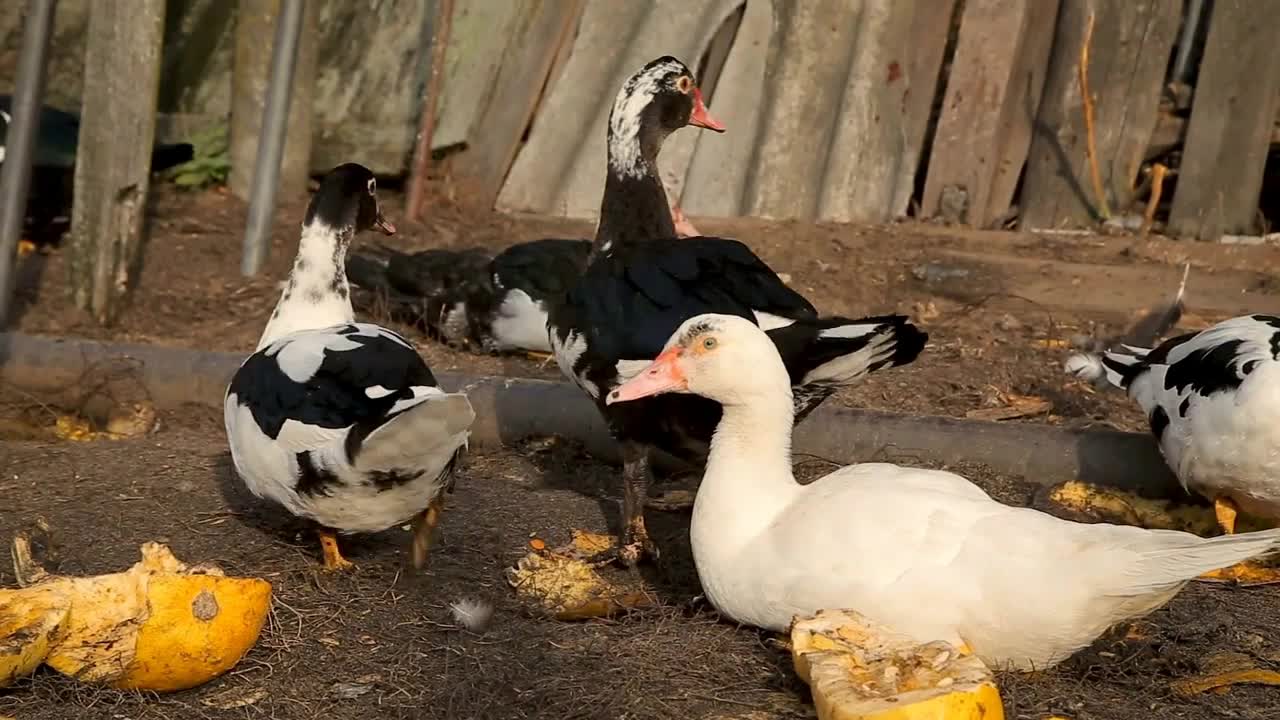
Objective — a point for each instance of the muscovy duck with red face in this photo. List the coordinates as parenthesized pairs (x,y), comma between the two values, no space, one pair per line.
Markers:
(643,282)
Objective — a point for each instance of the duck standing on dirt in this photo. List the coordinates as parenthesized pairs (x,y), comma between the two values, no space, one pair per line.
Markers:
(643,282)
(1212,399)
(342,422)
(925,552)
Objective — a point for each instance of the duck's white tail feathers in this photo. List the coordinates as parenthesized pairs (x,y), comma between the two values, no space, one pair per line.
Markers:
(434,428)
(1170,558)
(1114,367)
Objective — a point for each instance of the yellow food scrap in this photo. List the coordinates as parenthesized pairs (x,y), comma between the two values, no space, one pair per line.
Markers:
(161,625)
(30,620)
(858,670)
(589,543)
(567,587)
(1095,503)
(71,427)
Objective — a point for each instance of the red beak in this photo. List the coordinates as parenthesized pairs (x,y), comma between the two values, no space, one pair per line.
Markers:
(700,117)
(662,376)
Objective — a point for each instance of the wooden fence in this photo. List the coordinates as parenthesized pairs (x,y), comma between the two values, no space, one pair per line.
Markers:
(1040,114)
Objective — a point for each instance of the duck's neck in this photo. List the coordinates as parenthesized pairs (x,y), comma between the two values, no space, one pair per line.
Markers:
(317,294)
(634,208)
(748,479)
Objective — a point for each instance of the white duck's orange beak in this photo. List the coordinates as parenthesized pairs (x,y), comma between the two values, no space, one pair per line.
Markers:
(662,376)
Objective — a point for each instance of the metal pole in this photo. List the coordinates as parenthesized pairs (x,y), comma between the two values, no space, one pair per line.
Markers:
(1190,24)
(24,126)
(266,172)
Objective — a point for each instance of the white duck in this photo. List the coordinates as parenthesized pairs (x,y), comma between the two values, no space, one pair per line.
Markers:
(338,421)
(1212,399)
(923,551)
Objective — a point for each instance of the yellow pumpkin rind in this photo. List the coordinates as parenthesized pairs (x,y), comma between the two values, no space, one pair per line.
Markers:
(859,671)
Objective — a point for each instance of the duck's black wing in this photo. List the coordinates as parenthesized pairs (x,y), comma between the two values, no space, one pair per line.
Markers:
(544,269)
(629,302)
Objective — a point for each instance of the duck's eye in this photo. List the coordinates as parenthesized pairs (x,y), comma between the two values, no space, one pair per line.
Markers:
(684,83)
(373,186)
(708,343)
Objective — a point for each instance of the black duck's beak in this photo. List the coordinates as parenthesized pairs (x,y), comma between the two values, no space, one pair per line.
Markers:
(384,226)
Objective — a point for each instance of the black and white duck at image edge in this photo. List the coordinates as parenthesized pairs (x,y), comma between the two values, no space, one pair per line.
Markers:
(339,421)
(1212,399)
(643,282)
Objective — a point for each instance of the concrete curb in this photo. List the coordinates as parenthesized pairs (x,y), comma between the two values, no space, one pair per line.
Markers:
(509,410)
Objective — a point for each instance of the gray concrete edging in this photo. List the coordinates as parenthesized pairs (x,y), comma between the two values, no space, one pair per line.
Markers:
(509,410)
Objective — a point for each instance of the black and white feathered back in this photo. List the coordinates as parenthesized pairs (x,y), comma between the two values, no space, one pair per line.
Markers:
(340,422)
(1212,399)
(345,426)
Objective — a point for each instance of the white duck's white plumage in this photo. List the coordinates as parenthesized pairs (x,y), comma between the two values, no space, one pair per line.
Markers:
(925,552)
(1212,399)
(338,421)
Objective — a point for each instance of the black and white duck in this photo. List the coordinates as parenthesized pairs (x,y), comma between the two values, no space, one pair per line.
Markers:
(53,161)
(339,421)
(469,299)
(642,283)
(1212,399)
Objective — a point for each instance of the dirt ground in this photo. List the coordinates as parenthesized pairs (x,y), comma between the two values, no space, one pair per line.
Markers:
(385,632)
(1002,310)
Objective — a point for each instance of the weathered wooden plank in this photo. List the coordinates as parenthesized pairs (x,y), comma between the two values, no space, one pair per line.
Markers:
(561,168)
(718,172)
(255,29)
(806,71)
(537,34)
(871,165)
(929,34)
(1132,42)
(478,39)
(1232,119)
(984,130)
(848,87)
(113,156)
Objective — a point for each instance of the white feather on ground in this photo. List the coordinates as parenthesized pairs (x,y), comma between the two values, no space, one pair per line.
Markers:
(472,614)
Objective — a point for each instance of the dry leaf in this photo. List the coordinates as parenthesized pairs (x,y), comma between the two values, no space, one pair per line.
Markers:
(1017,406)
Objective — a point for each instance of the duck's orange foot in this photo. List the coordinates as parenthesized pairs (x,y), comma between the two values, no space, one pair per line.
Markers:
(333,560)
(25,247)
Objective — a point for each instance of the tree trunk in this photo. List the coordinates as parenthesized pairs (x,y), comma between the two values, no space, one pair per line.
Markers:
(250,71)
(113,156)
